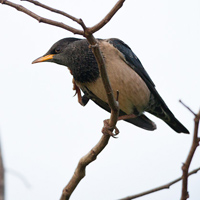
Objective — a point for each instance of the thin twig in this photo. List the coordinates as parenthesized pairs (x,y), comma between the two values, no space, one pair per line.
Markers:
(107,18)
(187,107)
(18,175)
(186,165)
(42,19)
(166,186)
(91,30)
(2,182)
(37,3)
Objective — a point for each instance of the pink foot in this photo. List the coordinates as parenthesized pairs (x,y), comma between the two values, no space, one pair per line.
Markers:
(107,129)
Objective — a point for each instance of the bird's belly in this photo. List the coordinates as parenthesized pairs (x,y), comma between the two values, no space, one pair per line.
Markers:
(133,92)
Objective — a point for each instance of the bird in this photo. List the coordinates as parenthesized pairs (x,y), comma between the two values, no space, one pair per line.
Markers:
(137,91)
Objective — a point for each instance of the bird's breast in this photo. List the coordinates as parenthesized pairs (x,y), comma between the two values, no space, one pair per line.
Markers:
(133,92)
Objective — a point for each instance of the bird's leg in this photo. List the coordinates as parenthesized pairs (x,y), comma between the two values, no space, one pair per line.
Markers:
(82,100)
(107,129)
(78,92)
(123,117)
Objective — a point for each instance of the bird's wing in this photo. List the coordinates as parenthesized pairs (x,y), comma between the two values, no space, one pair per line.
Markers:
(133,61)
(161,110)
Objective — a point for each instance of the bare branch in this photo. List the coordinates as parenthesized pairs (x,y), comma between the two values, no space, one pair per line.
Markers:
(111,100)
(90,30)
(80,169)
(18,175)
(186,165)
(2,184)
(42,19)
(37,3)
(107,18)
(187,107)
(166,186)
(93,29)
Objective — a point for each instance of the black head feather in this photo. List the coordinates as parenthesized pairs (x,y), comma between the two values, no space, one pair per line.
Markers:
(77,56)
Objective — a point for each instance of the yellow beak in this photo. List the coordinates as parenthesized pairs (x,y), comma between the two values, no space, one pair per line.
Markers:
(43,58)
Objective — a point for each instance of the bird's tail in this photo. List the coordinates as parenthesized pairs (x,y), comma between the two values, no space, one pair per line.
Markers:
(176,125)
(167,116)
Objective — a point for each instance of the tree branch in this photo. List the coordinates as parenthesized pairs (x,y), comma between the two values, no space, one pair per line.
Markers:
(42,19)
(187,108)
(111,100)
(90,30)
(107,18)
(166,186)
(186,165)
(37,3)
(2,184)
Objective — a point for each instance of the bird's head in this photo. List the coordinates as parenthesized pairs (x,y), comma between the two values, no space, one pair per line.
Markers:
(74,54)
(56,53)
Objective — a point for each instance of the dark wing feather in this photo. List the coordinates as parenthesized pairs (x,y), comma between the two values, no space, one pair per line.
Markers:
(132,59)
(136,65)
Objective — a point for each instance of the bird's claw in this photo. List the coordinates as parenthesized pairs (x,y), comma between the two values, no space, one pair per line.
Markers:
(77,92)
(108,130)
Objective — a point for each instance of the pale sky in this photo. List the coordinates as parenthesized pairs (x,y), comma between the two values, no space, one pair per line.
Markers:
(45,131)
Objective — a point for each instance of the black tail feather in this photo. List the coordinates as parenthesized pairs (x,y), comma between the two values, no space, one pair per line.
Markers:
(176,125)
(167,116)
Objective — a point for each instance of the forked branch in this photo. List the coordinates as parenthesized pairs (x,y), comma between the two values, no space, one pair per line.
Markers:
(90,30)
(186,165)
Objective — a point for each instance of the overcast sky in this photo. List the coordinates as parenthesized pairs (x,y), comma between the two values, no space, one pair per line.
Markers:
(45,131)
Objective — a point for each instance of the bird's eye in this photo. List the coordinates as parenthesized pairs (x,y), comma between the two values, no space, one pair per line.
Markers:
(57,50)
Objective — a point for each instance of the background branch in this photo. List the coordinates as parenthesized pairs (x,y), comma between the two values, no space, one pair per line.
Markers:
(186,165)
(107,18)
(42,19)
(37,3)
(2,185)
(166,186)
(90,30)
